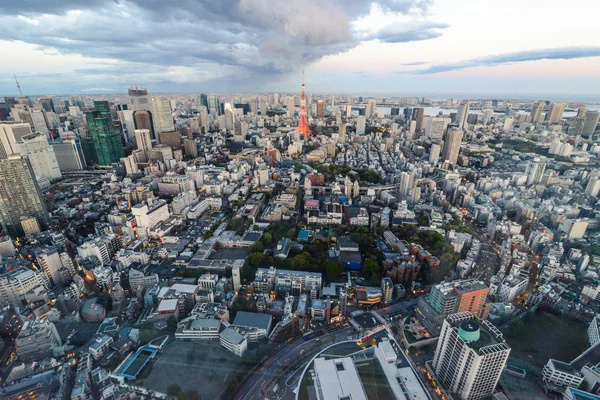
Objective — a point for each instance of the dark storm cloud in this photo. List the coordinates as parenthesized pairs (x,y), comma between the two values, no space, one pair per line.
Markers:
(565,53)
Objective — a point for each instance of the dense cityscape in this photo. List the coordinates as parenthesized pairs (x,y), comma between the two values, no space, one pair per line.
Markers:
(298,246)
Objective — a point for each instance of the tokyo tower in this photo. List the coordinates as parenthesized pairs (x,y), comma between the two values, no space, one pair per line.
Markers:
(303,123)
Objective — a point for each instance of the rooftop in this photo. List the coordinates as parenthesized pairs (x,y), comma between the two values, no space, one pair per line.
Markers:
(252,320)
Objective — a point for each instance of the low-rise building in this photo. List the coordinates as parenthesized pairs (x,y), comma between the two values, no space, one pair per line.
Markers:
(234,341)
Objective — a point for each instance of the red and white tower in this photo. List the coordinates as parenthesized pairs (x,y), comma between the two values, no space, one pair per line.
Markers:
(303,123)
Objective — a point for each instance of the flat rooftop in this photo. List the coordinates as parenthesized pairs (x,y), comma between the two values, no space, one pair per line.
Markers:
(338,379)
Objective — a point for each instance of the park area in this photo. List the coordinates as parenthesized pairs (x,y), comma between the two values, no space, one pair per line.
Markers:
(542,335)
(201,366)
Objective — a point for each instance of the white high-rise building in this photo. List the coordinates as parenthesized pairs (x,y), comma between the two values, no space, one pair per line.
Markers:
(535,171)
(593,187)
(41,155)
(130,165)
(436,127)
(470,356)
(161,114)
(143,140)
(11,134)
(462,114)
(361,125)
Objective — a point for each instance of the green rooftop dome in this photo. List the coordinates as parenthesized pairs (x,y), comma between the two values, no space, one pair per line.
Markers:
(469,331)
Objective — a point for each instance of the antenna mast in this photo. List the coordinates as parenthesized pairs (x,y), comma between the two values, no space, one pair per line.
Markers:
(18,86)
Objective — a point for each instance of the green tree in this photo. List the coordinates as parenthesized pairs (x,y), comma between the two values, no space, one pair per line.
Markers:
(208,234)
(334,270)
(268,237)
(173,389)
(257,247)
(256,259)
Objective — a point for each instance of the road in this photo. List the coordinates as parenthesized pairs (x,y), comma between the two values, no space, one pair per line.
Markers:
(256,387)
(397,308)
(488,259)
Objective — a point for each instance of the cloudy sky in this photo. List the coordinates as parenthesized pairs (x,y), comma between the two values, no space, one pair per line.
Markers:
(345,46)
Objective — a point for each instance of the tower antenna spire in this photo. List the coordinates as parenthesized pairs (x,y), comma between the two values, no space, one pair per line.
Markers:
(18,86)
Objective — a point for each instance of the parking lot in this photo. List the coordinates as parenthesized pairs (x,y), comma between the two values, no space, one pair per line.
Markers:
(203,366)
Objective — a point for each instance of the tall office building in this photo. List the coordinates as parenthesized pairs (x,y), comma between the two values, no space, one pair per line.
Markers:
(591,121)
(143,120)
(39,121)
(577,127)
(470,356)
(203,100)
(361,125)
(407,181)
(69,155)
(435,127)
(462,114)
(143,140)
(417,116)
(535,171)
(138,98)
(452,145)
(20,195)
(536,111)
(291,106)
(104,145)
(11,135)
(555,112)
(161,114)
(213,104)
(371,108)
(47,103)
(320,107)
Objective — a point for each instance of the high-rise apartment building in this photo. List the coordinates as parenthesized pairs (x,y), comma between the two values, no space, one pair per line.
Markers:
(161,114)
(20,195)
(371,108)
(470,356)
(536,111)
(593,187)
(104,145)
(435,127)
(462,114)
(555,112)
(452,145)
(591,122)
(434,153)
(535,171)
(361,125)
(291,106)
(41,155)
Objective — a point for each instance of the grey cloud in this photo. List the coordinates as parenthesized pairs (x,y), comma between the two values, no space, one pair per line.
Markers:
(564,53)
(409,32)
(244,37)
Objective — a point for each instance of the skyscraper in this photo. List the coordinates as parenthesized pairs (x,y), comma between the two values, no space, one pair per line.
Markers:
(11,135)
(203,100)
(470,356)
(41,156)
(104,145)
(535,171)
(20,195)
(370,109)
(462,114)
(536,111)
(47,103)
(361,125)
(452,145)
(138,98)
(555,112)
(143,120)
(320,107)
(142,140)
(434,153)
(161,114)
(291,106)
(591,121)
(417,116)
(303,123)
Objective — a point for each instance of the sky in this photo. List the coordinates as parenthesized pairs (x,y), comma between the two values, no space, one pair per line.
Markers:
(387,47)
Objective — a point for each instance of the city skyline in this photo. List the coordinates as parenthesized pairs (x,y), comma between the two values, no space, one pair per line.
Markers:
(411,47)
